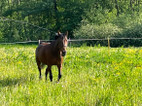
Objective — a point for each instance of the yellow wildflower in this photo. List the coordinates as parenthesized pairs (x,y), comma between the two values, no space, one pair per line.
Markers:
(118,73)
(19,62)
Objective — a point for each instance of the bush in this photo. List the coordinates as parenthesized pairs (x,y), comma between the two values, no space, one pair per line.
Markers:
(124,26)
(97,31)
(1,36)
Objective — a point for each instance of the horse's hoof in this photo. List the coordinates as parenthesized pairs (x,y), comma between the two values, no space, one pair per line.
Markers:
(40,78)
(57,82)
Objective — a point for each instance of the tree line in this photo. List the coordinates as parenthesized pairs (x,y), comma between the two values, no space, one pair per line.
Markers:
(82,18)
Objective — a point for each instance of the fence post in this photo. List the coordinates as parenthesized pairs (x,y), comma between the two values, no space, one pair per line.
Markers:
(69,42)
(108,42)
(108,46)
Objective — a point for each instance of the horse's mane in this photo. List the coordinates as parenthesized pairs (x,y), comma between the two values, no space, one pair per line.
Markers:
(55,44)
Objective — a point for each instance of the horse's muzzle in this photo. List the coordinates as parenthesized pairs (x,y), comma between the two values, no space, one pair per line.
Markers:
(63,53)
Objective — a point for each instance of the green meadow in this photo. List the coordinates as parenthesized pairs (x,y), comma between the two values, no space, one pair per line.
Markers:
(92,76)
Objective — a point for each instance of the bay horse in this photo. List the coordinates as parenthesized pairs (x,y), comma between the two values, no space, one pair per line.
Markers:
(52,54)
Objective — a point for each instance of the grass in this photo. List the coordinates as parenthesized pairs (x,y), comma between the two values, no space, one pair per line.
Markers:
(91,76)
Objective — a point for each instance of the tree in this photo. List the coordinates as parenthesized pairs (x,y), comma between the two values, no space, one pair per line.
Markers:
(64,15)
(117,7)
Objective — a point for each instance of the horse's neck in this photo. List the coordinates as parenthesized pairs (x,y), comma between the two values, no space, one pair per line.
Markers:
(55,48)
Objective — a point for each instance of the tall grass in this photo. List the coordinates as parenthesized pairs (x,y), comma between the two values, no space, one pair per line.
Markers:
(91,76)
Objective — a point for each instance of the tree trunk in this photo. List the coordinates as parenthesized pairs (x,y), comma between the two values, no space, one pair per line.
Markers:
(131,5)
(56,15)
(138,5)
(1,9)
(9,5)
(117,7)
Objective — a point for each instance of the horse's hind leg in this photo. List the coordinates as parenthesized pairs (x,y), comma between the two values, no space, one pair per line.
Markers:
(39,72)
(48,69)
(39,68)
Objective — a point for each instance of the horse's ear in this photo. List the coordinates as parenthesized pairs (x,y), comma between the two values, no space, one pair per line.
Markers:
(59,32)
(67,33)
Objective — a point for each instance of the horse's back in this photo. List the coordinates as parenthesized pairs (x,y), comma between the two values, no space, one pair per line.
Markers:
(42,46)
(45,43)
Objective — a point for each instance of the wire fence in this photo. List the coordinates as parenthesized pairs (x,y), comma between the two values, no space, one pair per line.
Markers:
(36,33)
(75,42)
(22,30)
(25,22)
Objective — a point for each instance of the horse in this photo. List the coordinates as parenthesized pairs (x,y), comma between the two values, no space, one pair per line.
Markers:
(52,54)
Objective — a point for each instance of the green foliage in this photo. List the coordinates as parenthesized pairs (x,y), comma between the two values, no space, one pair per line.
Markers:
(124,26)
(91,76)
(131,25)
(97,31)
(82,18)
(70,12)
(1,36)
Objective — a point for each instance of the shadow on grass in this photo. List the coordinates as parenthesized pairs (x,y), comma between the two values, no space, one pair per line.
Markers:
(12,82)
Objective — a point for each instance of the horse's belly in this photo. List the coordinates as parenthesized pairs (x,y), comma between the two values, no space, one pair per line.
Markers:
(49,61)
(55,62)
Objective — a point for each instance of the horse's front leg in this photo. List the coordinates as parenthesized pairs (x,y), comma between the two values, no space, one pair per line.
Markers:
(59,70)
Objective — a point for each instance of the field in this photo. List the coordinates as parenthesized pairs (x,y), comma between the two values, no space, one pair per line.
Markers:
(92,76)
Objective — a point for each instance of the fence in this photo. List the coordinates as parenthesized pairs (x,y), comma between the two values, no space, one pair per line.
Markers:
(78,42)
(37,32)
(18,30)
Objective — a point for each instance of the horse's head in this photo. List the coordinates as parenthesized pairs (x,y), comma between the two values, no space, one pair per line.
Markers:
(62,42)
